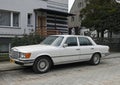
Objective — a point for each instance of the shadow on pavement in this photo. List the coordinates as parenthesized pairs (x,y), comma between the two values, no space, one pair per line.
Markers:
(28,70)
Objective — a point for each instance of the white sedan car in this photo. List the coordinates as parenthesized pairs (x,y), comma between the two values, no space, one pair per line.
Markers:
(58,49)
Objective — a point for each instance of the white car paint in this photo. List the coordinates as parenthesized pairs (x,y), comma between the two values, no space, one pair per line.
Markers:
(60,54)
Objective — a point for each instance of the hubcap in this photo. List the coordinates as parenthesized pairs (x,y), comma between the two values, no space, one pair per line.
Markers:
(96,59)
(43,65)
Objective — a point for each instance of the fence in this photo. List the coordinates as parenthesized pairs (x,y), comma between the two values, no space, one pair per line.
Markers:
(4,56)
(113,43)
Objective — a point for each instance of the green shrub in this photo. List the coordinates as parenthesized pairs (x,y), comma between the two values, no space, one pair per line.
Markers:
(26,40)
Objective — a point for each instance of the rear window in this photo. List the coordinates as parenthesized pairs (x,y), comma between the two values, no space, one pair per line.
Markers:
(84,41)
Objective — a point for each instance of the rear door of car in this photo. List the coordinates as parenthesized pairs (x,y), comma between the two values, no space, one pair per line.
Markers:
(86,48)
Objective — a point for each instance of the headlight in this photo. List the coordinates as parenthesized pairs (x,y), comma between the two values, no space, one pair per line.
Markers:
(22,55)
(25,55)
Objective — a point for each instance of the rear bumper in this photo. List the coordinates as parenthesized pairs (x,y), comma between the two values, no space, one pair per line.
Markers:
(105,54)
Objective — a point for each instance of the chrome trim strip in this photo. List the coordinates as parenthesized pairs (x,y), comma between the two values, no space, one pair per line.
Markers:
(71,55)
(65,62)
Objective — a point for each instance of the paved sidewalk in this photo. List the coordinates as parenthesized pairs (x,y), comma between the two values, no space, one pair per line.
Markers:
(113,55)
(7,66)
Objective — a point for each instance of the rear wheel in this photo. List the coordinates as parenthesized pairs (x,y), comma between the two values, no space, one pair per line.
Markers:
(42,65)
(95,60)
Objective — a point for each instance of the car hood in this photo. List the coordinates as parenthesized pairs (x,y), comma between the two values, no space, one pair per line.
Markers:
(32,48)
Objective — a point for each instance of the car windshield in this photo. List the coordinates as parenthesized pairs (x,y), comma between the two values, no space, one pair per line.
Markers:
(53,40)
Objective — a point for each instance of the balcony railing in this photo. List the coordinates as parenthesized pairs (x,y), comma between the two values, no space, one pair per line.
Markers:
(47,32)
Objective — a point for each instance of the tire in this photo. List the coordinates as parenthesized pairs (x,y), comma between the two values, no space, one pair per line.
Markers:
(95,60)
(42,65)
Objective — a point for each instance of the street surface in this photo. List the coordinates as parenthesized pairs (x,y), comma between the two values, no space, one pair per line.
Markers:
(106,73)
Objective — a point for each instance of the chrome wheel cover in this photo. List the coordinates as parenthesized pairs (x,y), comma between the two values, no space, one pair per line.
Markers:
(43,65)
(96,58)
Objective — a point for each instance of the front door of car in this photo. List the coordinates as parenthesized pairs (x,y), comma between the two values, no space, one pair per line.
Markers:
(86,48)
(69,51)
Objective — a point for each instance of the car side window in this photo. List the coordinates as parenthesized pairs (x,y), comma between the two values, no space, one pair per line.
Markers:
(84,41)
(71,41)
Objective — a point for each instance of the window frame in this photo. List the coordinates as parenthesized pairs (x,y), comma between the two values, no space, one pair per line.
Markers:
(29,21)
(79,5)
(90,42)
(3,12)
(72,18)
(18,22)
(71,46)
(11,19)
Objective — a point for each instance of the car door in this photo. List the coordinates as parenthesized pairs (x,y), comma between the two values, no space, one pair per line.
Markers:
(69,51)
(86,48)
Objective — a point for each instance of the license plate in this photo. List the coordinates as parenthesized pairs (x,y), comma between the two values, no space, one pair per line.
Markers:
(12,61)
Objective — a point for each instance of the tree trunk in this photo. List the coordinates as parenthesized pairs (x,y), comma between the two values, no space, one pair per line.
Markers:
(110,34)
(102,34)
(98,34)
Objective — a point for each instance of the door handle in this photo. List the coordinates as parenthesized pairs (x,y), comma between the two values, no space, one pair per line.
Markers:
(92,48)
(77,49)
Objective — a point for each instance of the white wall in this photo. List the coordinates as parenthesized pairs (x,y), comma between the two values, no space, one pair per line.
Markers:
(23,7)
(60,1)
(27,6)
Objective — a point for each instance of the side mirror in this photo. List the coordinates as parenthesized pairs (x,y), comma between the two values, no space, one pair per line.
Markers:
(65,45)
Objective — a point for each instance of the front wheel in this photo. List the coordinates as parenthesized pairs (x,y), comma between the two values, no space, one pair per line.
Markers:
(42,65)
(95,60)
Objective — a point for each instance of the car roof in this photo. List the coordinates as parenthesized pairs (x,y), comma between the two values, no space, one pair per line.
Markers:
(71,35)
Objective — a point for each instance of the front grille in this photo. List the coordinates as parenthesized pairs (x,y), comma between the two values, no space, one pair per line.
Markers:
(14,54)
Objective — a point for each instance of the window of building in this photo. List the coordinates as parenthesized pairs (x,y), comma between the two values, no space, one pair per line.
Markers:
(72,18)
(29,17)
(5,18)
(8,18)
(16,19)
(84,41)
(79,4)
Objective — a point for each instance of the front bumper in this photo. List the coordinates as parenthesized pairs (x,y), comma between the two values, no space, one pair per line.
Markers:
(22,62)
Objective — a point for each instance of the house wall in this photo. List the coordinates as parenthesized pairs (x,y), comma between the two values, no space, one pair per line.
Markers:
(75,21)
(59,5)
(61,20)
(23,7)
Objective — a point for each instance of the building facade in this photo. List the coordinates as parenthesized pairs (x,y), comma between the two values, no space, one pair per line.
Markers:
(75,21)
(18,17)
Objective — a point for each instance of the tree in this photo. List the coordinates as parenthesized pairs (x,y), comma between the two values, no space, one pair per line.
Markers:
(101,15)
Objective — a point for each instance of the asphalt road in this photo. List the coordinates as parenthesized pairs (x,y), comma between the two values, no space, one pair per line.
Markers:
(106,73)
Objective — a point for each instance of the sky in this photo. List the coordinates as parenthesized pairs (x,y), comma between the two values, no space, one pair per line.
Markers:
(70,3)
